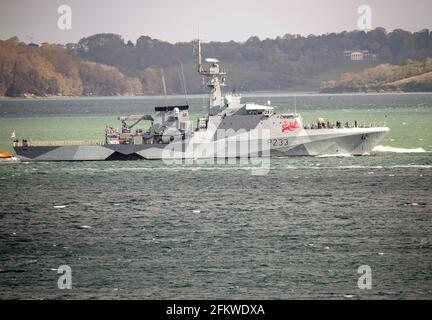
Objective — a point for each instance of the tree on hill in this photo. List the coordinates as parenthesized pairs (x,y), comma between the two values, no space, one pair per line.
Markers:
(52,70)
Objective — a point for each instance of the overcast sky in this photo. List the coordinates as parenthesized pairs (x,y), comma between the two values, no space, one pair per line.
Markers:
(222,20)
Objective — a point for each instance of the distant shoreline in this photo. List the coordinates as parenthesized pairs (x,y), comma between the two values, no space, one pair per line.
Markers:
(199,95)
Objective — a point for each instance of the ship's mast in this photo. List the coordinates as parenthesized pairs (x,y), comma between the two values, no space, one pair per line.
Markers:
(199,57)
(216,81)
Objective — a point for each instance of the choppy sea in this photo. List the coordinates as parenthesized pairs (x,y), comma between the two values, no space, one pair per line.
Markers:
(147,230)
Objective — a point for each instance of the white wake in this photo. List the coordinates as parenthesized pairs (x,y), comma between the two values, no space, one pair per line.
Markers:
(398,150)
(340,155)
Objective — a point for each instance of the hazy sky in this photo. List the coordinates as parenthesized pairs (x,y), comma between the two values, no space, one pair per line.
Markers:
(218,20)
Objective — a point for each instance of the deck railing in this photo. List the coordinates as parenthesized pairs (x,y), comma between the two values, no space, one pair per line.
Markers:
(31,143)
(345,126)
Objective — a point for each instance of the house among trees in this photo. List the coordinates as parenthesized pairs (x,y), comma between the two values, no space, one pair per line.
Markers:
(357,56)
(360,55)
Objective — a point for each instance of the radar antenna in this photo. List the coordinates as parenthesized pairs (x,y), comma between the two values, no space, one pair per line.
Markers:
(216,75)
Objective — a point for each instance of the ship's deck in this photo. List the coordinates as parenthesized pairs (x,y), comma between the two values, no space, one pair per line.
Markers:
(59,143)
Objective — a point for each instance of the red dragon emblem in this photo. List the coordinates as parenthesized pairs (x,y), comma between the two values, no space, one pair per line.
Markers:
(289,126)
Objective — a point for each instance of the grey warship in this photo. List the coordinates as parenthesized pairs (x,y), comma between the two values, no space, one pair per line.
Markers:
(229,129)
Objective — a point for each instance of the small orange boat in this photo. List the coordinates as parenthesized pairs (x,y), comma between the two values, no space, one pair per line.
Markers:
(5,155)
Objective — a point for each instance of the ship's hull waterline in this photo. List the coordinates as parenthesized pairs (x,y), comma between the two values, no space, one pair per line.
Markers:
(355,141)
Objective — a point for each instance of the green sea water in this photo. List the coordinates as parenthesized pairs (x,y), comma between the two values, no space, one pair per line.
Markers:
(408,116)
(147,230)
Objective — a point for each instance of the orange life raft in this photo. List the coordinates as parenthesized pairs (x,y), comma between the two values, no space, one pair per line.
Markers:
(5,155)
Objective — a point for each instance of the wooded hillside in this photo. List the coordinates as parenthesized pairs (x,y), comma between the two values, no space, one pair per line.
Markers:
(27,70)
(104,64)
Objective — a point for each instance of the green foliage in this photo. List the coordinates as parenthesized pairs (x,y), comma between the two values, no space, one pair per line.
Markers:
(272,64)
(411,76)
(103,64)
(52,70)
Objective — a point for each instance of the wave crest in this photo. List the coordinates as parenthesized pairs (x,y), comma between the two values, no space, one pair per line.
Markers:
(397,150)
